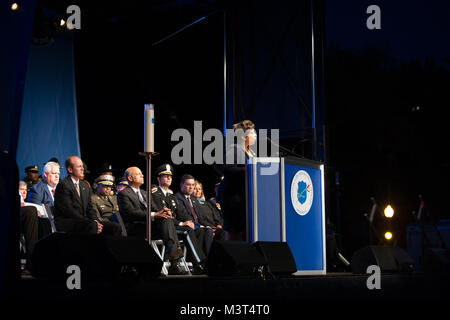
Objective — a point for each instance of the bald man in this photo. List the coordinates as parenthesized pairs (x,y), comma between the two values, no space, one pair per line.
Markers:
(73,210)
(133,209)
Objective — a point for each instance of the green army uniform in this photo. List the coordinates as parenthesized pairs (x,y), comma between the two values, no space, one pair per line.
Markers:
(104,206)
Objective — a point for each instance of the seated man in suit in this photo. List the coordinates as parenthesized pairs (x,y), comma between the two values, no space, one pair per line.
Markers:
(189,211)
(133,209)
(44,191)
(73,208)
(162,198)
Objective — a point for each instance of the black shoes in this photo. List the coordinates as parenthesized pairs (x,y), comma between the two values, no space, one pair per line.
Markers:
(176,265)
(175,254)
(176,268)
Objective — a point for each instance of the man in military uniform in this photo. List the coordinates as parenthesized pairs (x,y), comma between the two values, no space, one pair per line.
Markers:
(32,177)
(122,183)
(163,198)
(107,168)
(103,203)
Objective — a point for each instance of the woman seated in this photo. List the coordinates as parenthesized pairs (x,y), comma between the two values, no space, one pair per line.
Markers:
(210,216)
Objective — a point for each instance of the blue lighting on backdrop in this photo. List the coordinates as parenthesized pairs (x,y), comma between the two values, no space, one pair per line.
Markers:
(48,124)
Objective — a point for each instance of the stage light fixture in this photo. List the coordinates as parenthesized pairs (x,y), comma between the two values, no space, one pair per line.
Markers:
(388,211)
(388,235)
(62,22)
(14,6)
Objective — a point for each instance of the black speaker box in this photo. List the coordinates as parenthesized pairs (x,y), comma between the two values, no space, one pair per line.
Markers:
(97,256)
(389,259)
(234,258)
(278,256)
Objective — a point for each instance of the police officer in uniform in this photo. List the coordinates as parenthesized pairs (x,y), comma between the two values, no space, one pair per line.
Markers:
(32,177)
(103,203)
(163,197)
(122,183)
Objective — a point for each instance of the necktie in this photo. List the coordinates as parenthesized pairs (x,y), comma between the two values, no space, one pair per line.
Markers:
(53,191)
(78,188)
(192,210)
(141,198)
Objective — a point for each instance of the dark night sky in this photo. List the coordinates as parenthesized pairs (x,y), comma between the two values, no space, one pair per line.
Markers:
(382,146)
(409,29)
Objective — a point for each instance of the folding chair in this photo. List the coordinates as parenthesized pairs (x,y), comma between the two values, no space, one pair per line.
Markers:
(23,252)
(187,237)
(51,219)
(157,245)
(160,250)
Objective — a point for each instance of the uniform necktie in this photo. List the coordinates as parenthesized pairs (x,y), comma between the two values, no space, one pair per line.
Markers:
(192,210)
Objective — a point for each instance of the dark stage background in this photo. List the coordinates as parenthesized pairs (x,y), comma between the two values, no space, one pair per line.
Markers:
(118,70)
(381,94)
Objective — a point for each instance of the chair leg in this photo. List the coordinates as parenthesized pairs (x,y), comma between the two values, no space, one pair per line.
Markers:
(155,243)
(23,252)
(183,260)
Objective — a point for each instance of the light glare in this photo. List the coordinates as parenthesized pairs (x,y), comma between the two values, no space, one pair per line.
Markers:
(389,211)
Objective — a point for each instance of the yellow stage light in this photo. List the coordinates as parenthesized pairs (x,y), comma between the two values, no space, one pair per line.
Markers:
(14,6)
(388,235)
(388,211)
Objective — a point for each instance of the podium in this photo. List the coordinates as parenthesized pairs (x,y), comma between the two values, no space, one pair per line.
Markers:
(286,202)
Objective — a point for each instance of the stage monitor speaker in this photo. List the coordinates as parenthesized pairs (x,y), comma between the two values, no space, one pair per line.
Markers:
(97,256)
(278,256)
(389,259)
(234,258)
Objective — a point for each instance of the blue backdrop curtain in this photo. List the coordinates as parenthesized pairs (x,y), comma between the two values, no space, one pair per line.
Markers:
(15,32)
(49,125)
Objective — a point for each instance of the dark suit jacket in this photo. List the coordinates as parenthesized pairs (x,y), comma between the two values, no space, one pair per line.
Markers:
(130,208)
(134,215)
(39,194)
(211,212)
(184,209)
(68,205)
(217,210)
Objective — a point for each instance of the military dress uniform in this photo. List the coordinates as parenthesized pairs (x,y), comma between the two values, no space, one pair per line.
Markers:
(104,206)
(195,252)
(27,180)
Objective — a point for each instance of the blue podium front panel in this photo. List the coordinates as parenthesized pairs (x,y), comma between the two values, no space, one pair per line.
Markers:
(285,202)
(304,216)
(264,214)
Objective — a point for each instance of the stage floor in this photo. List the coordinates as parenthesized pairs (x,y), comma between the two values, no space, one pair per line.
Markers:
(205,289)
(202,297)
